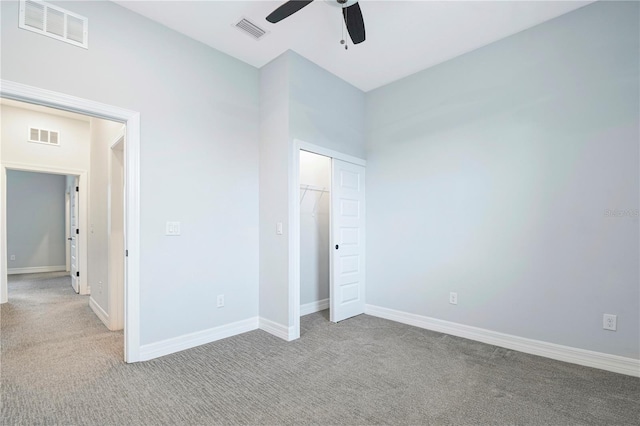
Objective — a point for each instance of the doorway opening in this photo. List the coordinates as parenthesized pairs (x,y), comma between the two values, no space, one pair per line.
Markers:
(128,222)
(328,228)
(315,269)
(31,246)
(37,215)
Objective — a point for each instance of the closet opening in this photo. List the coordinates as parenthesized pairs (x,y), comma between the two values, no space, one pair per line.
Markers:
(327,242)
(315,233)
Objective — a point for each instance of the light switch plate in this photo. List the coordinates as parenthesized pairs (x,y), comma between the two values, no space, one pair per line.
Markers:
(173,228)
(279,228)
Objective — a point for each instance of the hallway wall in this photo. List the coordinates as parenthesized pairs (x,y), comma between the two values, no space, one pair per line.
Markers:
(35,222)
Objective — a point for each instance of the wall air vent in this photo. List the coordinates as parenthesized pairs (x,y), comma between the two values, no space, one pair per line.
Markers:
(249,28)
(47,137)
(53,21)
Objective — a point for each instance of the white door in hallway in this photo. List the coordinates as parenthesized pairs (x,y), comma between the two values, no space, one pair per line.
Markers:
(75,281)
(347,240)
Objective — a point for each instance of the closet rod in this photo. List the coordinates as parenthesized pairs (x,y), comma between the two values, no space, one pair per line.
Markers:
(314,188)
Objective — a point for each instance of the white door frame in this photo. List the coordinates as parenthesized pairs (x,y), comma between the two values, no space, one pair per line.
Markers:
(294,222)
(115,254)
(83,208)
(25,93)
(67,230)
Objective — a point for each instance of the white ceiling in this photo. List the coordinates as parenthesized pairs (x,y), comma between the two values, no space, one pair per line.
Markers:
(403,37)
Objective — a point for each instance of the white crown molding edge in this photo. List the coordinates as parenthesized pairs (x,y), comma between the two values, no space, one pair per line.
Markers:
(614,363)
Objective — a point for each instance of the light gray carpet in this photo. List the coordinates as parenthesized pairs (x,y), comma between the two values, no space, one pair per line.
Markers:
(60,365)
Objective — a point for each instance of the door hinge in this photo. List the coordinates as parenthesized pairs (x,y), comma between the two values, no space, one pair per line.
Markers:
(77,189)
(126,253)
(78,274)
(77,231)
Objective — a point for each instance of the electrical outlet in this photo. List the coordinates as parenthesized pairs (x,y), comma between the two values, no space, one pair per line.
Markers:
(610,322)
(453,298)
(220,300)
(13,257)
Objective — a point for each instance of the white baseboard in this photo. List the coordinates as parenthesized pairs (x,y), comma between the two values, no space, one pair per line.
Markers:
(615,363)
(278,330)
(36,270)
(187,341)
(309,308)
(100,313)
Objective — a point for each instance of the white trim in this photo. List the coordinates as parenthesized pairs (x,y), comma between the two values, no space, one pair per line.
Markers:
(22,92)
(294,245)
(317,306)
(317,149)
(278,330)
(67,230)
(36,269)
(100,313)
(615,363)
(115,285)
(187,341)
(294,222)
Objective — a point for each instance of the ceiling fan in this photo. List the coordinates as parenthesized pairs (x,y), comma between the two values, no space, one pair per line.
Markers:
(350,11)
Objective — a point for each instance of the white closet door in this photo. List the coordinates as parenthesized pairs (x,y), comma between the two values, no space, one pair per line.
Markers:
(347,240)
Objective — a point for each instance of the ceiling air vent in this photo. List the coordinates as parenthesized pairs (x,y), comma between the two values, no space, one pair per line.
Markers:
(248,27)
(53,21)
(48,137)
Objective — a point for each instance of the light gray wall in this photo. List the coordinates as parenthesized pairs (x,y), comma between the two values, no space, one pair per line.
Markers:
(299,100)
(72,153)
(199,155)
(35,219)
(315,170)
(490,175)
(325,110)
(103,134)
(274,192)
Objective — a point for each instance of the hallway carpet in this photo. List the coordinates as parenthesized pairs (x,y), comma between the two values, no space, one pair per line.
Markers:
(60,365)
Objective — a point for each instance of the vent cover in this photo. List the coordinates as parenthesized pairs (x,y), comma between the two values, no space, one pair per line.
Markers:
(48,137)
(53,21)
(249,28)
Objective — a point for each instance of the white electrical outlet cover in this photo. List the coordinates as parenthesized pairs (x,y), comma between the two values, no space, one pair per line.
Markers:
(610,322)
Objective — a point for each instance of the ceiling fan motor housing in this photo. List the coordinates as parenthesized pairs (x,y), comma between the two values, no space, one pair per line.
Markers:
(342,3)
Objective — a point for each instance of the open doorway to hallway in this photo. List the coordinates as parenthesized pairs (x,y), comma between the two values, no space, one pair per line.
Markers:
(87,161)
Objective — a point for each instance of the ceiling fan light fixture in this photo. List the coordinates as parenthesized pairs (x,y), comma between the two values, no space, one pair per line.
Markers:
(350,11)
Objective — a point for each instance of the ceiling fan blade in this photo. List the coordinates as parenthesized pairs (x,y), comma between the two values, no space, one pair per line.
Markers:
(355,23)
(287,9)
